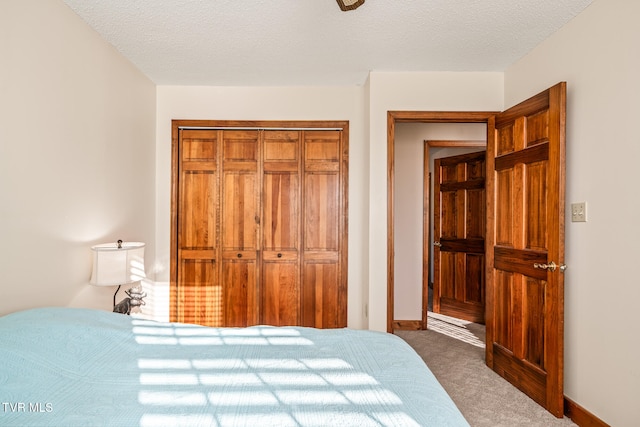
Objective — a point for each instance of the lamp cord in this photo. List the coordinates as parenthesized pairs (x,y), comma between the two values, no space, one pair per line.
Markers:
(114,295)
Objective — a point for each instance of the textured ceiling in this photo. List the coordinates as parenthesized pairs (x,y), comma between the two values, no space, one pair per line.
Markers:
(312,42)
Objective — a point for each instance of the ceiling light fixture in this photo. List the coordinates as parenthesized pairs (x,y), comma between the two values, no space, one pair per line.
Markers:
(346,5)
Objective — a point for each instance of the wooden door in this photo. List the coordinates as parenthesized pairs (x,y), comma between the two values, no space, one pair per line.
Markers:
(259,223)
(459,228)
(280,290)
(199,298)
(240,221)
(525,246)
(322,293)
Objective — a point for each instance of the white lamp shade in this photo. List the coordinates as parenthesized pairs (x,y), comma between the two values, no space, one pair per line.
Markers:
(113,265)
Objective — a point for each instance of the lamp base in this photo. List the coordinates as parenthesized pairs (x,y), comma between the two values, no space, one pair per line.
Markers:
(123,307)
(114,297)
(135,299)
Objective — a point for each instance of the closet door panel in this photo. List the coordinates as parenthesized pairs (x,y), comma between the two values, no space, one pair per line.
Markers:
(322,150)
(281,293)
(240,148)
(281,147)
(240,226)
(197,299)
(198,207)
(240,211)
(280,212)
(240,299)
(199,296)
(320,303)
(280,290)
(321,211)
(322,230)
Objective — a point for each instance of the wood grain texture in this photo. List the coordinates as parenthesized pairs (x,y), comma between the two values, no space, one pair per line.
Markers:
(459,227)
(581,416)
(200,299)
(281,293)
(321,294)
(239,282)
(238,209)
(323,201)
(408,325)
(455,143)
(526,227)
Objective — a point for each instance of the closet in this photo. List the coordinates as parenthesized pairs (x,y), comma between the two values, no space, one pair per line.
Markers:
(259,223)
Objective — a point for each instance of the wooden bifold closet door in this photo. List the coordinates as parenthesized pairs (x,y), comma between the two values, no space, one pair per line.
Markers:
(259,223)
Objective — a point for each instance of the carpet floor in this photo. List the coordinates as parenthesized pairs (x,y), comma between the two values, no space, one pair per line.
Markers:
(454,351)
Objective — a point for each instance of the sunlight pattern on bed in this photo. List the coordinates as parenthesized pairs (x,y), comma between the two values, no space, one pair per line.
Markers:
(94,366)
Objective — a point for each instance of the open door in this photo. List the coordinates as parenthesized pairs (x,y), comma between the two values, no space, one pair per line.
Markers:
(459,228)
(525,246)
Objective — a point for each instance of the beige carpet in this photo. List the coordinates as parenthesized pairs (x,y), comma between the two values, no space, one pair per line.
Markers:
(483,397)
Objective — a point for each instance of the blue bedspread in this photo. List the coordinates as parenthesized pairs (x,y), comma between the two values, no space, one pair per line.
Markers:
(78,367)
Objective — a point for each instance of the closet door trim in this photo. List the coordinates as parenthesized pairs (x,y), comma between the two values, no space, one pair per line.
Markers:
(255,128)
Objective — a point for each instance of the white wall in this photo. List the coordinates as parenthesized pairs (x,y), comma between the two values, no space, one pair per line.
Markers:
(77,150)
(419,92)
(598,55)
(408,208)
(271,103)
(408,203)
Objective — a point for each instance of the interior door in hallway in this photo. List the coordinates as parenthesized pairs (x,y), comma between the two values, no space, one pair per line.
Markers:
(459,229)
(525,246)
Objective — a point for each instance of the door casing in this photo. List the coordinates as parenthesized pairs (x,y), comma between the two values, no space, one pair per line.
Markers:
(394,117)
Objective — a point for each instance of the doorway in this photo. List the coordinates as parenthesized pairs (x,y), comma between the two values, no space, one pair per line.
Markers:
(393,119)
(417,146)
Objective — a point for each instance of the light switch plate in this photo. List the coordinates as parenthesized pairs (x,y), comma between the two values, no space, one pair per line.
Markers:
(579,212)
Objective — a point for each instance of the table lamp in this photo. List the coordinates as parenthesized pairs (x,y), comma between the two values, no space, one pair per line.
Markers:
(117,263)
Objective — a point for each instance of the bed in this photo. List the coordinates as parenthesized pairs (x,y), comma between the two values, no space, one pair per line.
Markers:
(80,367)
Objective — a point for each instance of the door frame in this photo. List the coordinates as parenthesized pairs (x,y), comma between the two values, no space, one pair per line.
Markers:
(394,117)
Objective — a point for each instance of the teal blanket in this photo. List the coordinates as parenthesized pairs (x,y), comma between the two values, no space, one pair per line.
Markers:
(77,367)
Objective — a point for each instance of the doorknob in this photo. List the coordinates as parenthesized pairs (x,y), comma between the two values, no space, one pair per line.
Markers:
(551,266)
(438,244)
